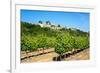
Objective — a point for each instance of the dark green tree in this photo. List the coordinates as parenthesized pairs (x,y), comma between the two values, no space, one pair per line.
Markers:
(40,22)
(59,25)
(48,22)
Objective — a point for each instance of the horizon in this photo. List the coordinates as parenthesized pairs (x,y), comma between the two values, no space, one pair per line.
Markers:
(78,20)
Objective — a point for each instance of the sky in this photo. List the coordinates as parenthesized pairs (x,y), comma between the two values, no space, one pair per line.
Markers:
(79,20)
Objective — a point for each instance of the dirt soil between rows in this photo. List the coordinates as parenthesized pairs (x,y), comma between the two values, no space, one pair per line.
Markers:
(83,55)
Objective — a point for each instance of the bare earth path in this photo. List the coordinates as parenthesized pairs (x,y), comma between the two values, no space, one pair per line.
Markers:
(83,55)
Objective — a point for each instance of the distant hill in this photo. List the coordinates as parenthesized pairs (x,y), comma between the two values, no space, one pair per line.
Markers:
(33,29)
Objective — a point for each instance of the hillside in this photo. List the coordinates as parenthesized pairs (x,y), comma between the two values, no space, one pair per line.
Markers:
(33,29)
(39,40)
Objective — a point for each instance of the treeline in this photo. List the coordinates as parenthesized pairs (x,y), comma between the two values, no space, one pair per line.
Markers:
(63,40)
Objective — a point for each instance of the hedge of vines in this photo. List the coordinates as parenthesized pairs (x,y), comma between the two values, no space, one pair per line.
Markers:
(34,37)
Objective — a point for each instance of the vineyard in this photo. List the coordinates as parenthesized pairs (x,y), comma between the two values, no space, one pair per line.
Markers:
(37,41)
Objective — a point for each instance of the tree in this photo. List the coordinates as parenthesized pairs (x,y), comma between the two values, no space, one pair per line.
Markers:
(48,22)
(40,22)
(59,25)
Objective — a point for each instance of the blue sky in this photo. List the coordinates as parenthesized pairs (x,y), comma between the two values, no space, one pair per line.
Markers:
(77,20)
